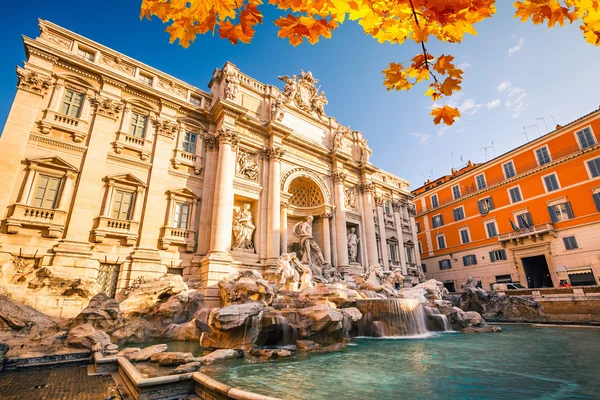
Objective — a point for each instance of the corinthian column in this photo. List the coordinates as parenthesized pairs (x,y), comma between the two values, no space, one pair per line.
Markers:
(340,219)
(223,201)
(367,189)
(274,155)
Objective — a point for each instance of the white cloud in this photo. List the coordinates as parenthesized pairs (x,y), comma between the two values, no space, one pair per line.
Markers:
(463,65)
(422,137)
(493,104)
(469,107)
(514,90)
(516,48)
(443,130)
(504,85)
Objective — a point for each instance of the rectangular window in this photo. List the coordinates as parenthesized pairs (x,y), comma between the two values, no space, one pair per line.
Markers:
(485,205)
(145,79)
(570,243)
(71,104)
(594,167)
(456,192)
(480,180)
(387,208)
(138,125)
(182,211)
(189,143)
(420,247)
(195,101)
(551,183)
(515,194)
(424,267)
(122,205)
(524,220)
(434,201)
(441,242)
(459,213)
(86,55)
(509,170)
(497,255)
(464,236)
(393,248)
(437,221)
(542,155)
(586,138)
(418,224)
(596,197)
(445,264)
(503,279)
(46,192)
(490,227)
(560,212)
(409,254)
(470,260)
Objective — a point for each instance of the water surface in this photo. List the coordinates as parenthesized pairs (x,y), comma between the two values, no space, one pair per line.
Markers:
(523,362)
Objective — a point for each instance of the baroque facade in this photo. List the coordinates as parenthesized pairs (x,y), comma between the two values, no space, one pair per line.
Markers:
(113,170)
(530,216)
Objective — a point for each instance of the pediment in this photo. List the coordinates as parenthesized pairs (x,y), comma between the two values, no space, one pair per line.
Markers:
(53,162)
(127,179)
(185,192)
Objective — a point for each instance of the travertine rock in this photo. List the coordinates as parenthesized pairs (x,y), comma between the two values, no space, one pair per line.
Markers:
(427,291)
(78,336)
(233,326)
(129,352)
(220,355)
(307,345)
(245,286)
(482,329)
(172,358)
(185,368)
(137,330)
(24,319)
(146,353)
(142,297)
(3,350)
(102,313)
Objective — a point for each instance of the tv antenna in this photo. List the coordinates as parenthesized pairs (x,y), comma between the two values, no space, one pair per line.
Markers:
(525,133)
(536,127)
(546,125)
(553,121)
(485,151)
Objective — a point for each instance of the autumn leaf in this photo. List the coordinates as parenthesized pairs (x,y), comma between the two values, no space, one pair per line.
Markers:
(447,114)
(395,77)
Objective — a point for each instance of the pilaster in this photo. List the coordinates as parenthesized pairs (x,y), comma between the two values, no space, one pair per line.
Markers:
(274,154)
(340,219)
(367,189)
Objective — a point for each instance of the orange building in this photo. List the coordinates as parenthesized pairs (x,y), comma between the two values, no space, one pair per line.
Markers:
(530,216)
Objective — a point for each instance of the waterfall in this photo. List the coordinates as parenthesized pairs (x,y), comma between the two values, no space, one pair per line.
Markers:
(437,320)
(391,317)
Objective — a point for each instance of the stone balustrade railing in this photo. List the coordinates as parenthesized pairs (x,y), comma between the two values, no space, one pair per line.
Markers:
(25,215)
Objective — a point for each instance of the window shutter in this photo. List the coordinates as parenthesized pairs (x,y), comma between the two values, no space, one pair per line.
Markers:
(480,204)
(492,256)
(503,253)
(465,262)
(441,263)
(596,197)
(441,220)
(474,259)
(528,219)
(553,217)
(569,210)
(455,211)
(491,201)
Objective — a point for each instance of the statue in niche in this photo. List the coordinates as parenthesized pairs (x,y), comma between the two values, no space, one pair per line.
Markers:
(308,245)
(243,228)
(246,167)
(350,198)
(288,276)
(231,84)
(352,245)
(365,151)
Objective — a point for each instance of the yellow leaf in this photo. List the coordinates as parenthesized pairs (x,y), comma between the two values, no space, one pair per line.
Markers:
(447,114)
(395,78)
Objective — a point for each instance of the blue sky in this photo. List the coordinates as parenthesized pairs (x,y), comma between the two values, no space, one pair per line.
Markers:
(515,73)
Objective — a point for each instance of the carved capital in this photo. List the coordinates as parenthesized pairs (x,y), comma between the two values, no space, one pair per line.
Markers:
(274,153)
(211,142)
(227,136)
(378,200)
(107,107)
(397,205)
(339,177)
(165,128)
(366,188)
(33,82)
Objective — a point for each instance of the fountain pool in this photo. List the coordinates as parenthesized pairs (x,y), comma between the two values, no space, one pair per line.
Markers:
(523,362)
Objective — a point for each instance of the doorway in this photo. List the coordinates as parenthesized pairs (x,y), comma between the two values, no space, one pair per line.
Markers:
(537,272)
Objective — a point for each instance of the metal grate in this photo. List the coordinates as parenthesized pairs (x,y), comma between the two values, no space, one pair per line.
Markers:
(108,274)
(305,193)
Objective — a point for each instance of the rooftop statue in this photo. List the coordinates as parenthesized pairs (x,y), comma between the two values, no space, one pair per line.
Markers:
(303,92)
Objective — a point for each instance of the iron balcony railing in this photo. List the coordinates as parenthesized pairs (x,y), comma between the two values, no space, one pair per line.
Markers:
(532,230)
(519,169)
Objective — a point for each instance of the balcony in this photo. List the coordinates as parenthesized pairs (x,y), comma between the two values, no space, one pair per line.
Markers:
(533,232)
(395,264)
(77,127)
(174,236)
(110,227)
(191,160)
(24,215)
(135,143)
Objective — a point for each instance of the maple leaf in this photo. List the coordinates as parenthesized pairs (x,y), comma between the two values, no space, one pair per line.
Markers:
(447,114)
(395,77)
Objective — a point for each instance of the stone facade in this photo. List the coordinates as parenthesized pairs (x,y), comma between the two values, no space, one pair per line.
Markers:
(113,170)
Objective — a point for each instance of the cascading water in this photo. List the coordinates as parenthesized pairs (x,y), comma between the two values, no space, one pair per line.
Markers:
(391,317)
(437,320)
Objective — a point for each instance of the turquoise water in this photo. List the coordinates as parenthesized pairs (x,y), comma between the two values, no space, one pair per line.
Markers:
(523,362)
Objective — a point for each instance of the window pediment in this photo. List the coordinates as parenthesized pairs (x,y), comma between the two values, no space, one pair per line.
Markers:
(182,193)
(125,179)
(52,162)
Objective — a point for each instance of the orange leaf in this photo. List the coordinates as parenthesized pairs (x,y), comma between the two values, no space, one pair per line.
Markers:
(395,78)
(448,114)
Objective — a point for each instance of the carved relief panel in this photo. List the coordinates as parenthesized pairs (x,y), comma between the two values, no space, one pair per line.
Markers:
(246,165)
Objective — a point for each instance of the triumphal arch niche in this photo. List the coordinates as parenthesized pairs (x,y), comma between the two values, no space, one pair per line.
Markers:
(151,175)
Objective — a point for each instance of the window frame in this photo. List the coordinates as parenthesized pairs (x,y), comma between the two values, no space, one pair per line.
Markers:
(437,240)
(460,235)
(144,78)
(536,155)
(574,239)
(594,139)
(136,113)
(514,169)
(86,52)
(496,259)
(433,217)
(464,216)
(185,142)
(546,185)
(564,216)
(471,257)
(193,98)
(447,262)
(485,185)
(454,196)
(436,200)
(529,218)
(116,191)
(70,103)
(485,225)
(420,246)
(490,202)
(589,170)
(35,187)
(177,224)
(508,190)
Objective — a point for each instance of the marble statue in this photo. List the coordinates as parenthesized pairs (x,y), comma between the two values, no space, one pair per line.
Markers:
(306,280)
(338,137)
(350,198)
(352,245)
(231,84)
(243,228)
(365,151)
(318,102)
(288,276)
(308,245)
(395,278)
(277,109)
(246,167)
(374,279)
(290,87)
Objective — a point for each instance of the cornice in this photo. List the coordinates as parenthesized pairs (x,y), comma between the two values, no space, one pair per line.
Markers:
(55,142)
(128,161)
